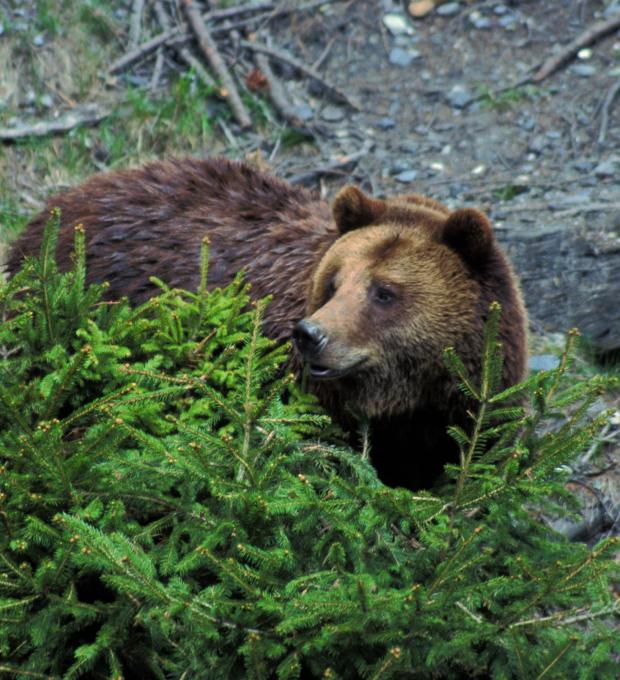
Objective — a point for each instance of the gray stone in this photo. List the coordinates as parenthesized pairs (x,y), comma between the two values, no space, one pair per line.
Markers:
(537,144)
(508,21)
(305,112)
(611,10)
(500,10)
(583,165)
(449,9)
(409,147)
(544,362)
(483,23)
(406,176)
(38,40)
(459,96)
(584,70)
(527,123)
(332,114)
(1,29)
(396,24)
(608,168)
(46,101)
(400,166)
(386,123)
(401,57)
(478,20)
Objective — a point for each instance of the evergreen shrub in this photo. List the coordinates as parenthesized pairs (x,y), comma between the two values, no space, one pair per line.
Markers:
(169,508)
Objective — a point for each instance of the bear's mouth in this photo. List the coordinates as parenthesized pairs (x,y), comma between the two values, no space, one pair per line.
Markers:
(320,372)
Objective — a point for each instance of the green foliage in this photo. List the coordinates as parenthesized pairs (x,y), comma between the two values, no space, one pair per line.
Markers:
(165,512)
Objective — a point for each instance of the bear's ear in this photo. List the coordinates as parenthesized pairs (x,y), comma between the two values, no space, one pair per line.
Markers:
(470,234)
(352,209)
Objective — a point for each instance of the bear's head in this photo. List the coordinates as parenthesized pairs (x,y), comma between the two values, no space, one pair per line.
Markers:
(406,278)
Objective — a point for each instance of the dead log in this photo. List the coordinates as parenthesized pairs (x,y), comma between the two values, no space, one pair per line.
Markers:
(570,277)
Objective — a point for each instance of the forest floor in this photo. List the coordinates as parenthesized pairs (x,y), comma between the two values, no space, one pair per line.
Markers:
(452,105)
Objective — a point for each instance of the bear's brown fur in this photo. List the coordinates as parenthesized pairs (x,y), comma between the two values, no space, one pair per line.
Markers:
(385,286)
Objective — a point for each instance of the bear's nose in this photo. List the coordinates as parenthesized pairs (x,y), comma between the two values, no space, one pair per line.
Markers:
(309,337)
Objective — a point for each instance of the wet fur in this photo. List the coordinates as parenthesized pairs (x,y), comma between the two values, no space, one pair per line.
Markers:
(151,221)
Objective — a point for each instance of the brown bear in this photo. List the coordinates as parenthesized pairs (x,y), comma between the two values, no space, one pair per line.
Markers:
(372,291)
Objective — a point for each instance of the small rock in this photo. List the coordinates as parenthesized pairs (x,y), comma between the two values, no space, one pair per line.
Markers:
(305,112)
(554,134)
(449,9)
(1,29)
(584,70)
(332,114)
(544,362)
(401,57)
(611,10)
(537,144)
(477,20)
(508,21)
(38,40)
(406,176)
(421,8)
(396,24)
(500,10)
(608,168)
(409,147)
(527,123)
(386,123)
(583,166)
(400,166)
(585,53)
(479,170)
(459,96)
(482,24)
(46,101)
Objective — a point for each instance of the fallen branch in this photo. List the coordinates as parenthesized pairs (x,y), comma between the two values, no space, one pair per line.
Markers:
(184,52)
(334,168)
(180,34)
(559,210)
(279,97)
(286,58)
(135,25)
(209,49)
(594,33)
(88,115)
(165,38)
(612,93)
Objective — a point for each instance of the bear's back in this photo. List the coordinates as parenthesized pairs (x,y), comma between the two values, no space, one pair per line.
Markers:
(151,221)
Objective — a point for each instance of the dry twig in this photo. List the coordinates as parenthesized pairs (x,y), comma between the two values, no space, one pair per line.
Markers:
(285,57)
(184,52)
(612,93)
(278,95)
(87,115)
(135,23)
(334,168)
(179,34)
(209,49)
(599,30)
(560,210)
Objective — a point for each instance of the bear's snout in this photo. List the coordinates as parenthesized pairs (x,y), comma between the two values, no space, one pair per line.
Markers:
(309,337)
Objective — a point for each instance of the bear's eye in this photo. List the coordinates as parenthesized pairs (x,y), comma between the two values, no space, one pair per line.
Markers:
(329,291)
(382,295)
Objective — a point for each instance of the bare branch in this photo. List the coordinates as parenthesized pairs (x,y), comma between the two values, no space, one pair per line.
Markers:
(87,115)
(285,57)
(209,49)
(599,30)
